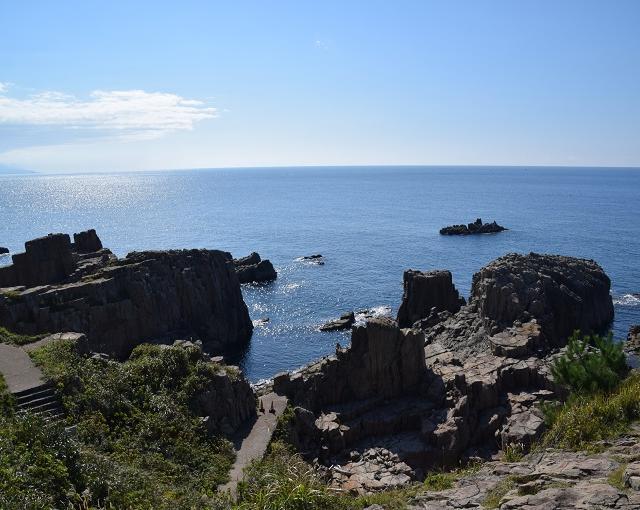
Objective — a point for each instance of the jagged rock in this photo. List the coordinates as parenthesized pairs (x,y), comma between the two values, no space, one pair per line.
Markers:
(316,259)
(45,261)
(382,361)
(146,296)
(633,338)
(252,269)
(477,227)
(424,291)
(561,293)
(344,322)
(87,242)
(3,250)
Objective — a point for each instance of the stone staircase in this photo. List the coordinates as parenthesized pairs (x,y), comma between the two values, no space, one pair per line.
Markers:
(40,400)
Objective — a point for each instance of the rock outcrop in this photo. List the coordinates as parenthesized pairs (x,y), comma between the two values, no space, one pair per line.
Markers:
(46,260)
(147,296)
(383,361)
(633,338)
(477,227)
(396,404)
(562,293)
(3,250)
(344,322)
(87,242)
(426,293)
(252,269)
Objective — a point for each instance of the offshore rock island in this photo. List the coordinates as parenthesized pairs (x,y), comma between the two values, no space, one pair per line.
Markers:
(477,227)
(448,383)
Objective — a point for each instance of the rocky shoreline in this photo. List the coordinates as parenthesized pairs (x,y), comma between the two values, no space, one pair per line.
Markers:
(445,383)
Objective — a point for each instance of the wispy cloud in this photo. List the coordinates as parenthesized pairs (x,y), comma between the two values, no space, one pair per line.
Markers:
(133,114)
(4,86)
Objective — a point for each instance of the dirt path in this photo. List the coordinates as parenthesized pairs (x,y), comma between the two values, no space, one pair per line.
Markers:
(251,442)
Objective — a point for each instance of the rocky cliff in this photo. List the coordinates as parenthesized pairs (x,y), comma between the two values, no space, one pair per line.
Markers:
(473,386)
(120,303)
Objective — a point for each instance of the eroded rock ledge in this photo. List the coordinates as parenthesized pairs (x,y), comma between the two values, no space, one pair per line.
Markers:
(460,384)
(118,303)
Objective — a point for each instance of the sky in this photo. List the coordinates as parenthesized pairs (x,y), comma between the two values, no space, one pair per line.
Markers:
(138,85)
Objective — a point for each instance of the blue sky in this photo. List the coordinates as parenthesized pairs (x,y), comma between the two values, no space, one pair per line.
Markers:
(95,86)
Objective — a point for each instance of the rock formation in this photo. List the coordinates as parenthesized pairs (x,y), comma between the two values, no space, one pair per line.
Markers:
(87,242)
(399,402)
(344,322)
(3,250)
(252,269)
(426,293)
(118,304)
(477,227)
(633,338)
(315,259)
(561,293)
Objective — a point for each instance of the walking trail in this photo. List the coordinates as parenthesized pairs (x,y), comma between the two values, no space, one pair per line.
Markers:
(18,370)
(251,442)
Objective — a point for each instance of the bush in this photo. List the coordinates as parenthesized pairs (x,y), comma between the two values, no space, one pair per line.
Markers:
(590,364)
(589,418)
(139,443)
(9,337)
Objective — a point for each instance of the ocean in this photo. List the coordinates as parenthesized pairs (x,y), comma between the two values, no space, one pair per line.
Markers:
(369,223)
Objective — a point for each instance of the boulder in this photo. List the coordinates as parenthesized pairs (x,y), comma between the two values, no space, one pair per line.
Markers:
(252,269)
(344,322)
(477,227)
(147,296)
(87,242)
(424,292)
(562,293)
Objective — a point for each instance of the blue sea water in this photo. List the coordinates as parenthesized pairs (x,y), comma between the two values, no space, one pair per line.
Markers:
(369,223)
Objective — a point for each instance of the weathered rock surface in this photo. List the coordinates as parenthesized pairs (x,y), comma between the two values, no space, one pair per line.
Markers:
(46,260)
(344,322)
(477,227)
(426,293)
(633,338)
(549,480)
(118,304)
(562,293)
(252,269)
(383,361)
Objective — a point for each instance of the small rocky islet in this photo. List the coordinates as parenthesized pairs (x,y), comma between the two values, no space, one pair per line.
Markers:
(448,381)
(477,227)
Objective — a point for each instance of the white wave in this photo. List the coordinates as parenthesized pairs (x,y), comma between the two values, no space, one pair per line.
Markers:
(627,300)
(376,311)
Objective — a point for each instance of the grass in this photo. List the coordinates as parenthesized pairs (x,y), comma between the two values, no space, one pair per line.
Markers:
(9,337)
(498,492)
(513,452)
(585,420)
(615,478)
(12,295)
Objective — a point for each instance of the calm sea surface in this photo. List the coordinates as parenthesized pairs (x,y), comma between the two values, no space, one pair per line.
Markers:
(369,223)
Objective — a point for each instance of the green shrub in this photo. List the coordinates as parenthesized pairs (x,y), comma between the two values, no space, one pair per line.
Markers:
(9,337)
(6,399)
(585,419)
(140,443)
(590,364)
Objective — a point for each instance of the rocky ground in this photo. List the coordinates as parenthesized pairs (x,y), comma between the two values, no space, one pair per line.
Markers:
(550,480)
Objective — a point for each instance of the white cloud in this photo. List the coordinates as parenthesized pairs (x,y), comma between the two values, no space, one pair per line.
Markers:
(4,86)
(126,113)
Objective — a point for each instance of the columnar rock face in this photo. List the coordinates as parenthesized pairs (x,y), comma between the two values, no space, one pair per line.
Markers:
(252,269)
(561,293)
(383,361)
(46,260)
(424,291)
(86,242)
(145,297)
